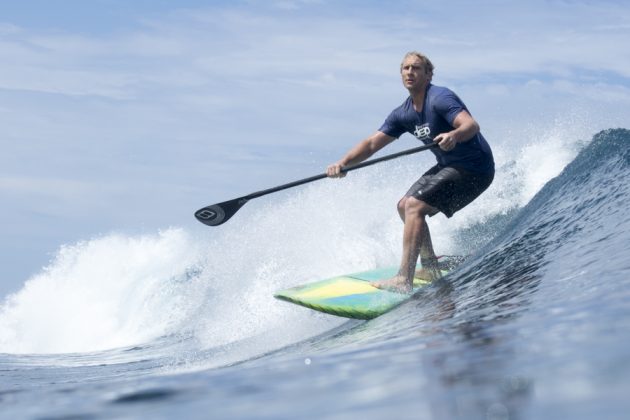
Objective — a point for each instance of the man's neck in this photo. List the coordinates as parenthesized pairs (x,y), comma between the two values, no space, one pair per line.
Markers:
(417,96)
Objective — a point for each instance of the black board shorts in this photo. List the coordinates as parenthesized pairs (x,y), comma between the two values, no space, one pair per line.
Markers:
(449,189)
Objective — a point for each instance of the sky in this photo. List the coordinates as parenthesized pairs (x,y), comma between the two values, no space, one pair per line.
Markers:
(129,115)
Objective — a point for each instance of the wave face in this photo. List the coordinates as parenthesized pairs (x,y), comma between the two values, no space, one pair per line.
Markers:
(534,322)
(577,223)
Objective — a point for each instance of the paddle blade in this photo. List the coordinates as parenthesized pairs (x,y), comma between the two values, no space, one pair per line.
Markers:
(217,214)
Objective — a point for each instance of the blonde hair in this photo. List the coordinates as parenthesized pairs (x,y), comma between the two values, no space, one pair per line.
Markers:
(427,64)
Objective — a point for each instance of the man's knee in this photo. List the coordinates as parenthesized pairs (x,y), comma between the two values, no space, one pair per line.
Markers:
(418,208)
(401,205)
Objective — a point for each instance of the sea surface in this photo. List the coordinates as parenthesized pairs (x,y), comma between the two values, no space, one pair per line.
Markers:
(535,324)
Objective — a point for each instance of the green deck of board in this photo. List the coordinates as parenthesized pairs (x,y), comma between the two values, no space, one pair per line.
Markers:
(350,296)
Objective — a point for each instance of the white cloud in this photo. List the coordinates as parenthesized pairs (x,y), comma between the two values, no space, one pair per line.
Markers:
(42,186)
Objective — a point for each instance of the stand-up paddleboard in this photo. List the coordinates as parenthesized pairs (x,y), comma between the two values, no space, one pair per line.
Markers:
(352,296)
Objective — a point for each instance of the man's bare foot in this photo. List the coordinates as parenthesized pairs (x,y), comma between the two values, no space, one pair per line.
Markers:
(429,274)
(398,284)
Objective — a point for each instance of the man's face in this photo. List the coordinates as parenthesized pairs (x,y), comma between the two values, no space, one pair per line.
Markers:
(414,77)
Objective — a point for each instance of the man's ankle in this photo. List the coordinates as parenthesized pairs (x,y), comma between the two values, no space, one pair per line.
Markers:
(430,263)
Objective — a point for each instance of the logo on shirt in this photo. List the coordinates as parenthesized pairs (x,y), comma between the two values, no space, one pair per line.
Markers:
(422,132)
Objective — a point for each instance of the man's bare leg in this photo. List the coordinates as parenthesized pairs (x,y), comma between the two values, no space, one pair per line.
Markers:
(430,270)
(416,241)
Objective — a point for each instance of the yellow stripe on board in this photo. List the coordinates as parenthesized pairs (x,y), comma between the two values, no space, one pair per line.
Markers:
(340,287)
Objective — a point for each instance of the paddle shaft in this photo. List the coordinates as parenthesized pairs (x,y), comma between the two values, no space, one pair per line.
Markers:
(219,213)
(343,170)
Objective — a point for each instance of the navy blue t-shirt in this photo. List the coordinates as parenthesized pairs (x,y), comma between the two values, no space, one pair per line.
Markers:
(441,106)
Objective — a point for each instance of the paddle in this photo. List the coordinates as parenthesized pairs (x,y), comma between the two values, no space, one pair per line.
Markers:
(219,213)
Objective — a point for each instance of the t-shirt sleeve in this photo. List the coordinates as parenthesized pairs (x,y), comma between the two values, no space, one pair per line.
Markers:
(392,125)
(448,105)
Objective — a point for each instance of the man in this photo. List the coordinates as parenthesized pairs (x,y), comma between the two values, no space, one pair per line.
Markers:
(464,170)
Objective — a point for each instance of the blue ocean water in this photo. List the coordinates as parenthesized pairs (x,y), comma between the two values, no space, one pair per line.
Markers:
(535,324)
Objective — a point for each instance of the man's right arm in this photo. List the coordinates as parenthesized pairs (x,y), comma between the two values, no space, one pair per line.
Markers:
(363,150)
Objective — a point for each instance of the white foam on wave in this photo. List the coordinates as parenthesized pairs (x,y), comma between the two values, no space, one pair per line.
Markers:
(215,284)
(113,291)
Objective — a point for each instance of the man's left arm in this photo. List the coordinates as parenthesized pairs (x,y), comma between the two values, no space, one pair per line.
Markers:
(465,128)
